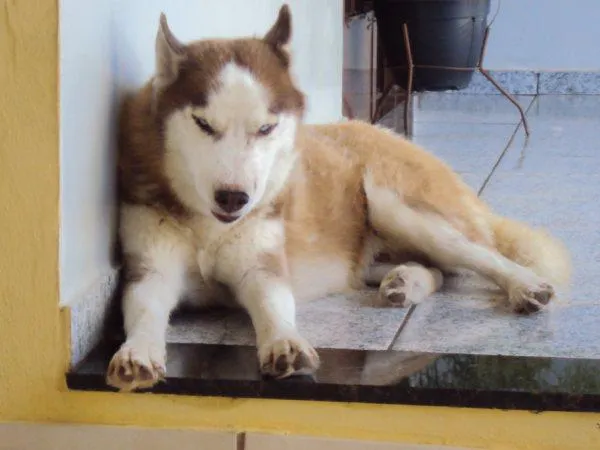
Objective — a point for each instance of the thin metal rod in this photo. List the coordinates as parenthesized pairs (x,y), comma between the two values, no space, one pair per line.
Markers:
(409,87)
(486,35)
(379,103)
(510,98)
(349,113)
(504,92)
(426,66)
(372,25)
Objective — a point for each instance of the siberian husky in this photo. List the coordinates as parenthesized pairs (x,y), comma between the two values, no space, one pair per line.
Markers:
(227,197)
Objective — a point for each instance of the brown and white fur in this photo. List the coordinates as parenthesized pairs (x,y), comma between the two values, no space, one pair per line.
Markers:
(227,198)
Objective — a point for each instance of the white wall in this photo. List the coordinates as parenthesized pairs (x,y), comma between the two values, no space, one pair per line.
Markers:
(87,100)
(108,47)
(317,42)
(357,43)
(545,35)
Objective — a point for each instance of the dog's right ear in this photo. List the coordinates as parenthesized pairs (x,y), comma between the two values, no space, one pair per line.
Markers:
(170,54)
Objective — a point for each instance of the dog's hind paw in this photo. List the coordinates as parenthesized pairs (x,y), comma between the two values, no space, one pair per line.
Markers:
(136,367)
(406,285)
(285,356)
(529,299)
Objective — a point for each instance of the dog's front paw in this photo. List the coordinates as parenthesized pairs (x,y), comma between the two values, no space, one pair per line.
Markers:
(287,355)
(531,297)
(136,366)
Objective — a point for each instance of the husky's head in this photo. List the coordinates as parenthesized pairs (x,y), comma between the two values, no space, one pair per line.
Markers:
(229,112)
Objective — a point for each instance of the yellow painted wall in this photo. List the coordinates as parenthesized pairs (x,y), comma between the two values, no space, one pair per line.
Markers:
(33,351)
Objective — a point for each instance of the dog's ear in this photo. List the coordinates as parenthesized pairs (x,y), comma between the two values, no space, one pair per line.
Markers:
(280,33)
(170,54)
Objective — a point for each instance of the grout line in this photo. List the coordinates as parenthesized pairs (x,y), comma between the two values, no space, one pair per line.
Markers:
(402,326)
(506,148)
(241,441)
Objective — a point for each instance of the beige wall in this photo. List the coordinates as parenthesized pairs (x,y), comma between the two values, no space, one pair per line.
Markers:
(82,437)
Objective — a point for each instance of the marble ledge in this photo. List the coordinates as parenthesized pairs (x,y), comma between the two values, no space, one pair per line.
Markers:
(385,377)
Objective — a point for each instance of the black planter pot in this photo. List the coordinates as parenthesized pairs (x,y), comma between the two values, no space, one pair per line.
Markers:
(441,33)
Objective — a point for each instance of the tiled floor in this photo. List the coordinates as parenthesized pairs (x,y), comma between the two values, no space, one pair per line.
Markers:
(346,322)
(551,180)
(548,180)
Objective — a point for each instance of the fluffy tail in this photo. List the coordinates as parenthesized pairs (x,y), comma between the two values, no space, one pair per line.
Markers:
(534,248)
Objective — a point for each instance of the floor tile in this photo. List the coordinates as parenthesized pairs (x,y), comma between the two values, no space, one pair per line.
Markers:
(583,243)
(563,142)
(557,162)
(574,108)
(470,151)
(467,108)
(349,321)
(540,201)
(519,82)
(552,179)
(555,213)
(207,327)
(256,441)
(29,436)
(342,321)
(472,320)
(572,82)
(550,182)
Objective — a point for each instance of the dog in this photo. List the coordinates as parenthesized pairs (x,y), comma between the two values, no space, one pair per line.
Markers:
(227,198)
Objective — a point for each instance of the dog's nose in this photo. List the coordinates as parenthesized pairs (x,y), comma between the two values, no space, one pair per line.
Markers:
(231,201)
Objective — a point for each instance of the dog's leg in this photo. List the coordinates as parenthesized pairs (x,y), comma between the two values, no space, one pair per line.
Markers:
(156,273)
(447,247)
(254,266)
(147,304)
(282,351)
(405,284)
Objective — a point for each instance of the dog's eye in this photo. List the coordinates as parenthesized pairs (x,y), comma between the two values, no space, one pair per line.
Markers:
(265,130)
(204,126)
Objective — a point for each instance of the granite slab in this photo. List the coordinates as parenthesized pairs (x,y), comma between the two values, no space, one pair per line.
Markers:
(516,82)
(339,321)
(548,180)
(569,82)
(385,377)
(469,321)
(471,151)
(468,108)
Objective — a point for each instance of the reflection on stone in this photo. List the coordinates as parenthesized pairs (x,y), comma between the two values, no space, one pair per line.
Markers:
(374,377)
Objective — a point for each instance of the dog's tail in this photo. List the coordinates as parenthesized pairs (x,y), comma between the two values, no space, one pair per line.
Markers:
(535,248)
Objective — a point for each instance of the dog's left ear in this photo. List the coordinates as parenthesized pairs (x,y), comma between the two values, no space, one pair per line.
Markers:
(280,33)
